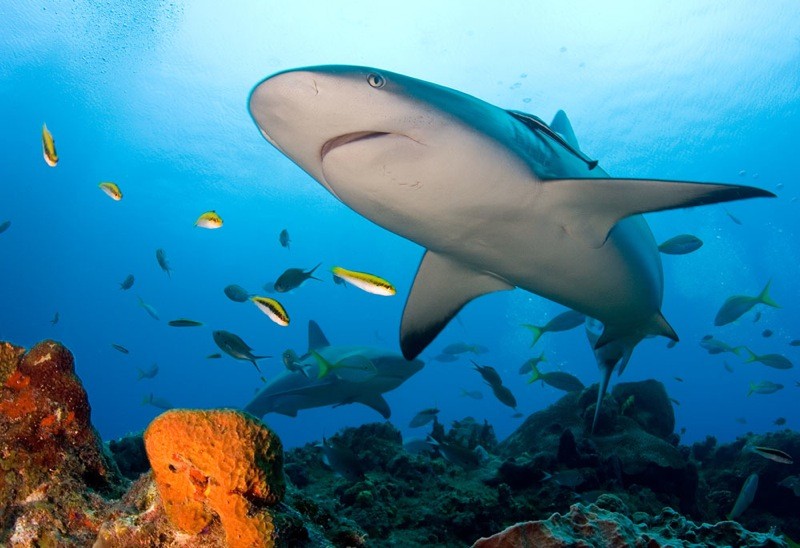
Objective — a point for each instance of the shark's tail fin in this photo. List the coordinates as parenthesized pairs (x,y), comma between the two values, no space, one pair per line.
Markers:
(765,298)
(535,330)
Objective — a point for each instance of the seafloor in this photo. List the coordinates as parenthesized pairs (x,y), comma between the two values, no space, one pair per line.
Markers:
(221,477)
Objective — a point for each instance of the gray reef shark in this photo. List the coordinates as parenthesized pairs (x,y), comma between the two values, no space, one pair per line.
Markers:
(300,388)
(499,198)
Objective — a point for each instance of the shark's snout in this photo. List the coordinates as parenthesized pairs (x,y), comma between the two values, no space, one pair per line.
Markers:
(276,101)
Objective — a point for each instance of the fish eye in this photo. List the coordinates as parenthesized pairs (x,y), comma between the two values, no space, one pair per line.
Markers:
(375,80)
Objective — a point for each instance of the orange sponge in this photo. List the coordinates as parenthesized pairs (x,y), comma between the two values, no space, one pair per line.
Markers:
(219,462)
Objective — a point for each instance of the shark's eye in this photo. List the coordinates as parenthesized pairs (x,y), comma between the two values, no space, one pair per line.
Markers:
(376,80)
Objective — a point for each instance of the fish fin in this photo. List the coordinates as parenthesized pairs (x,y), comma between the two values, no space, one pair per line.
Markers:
(323,365)
(601,392)
(587,209)
(376,402)
(292,413)
(752,389)
(660,326)
(316,338)
(752,355)
(535,330)
(311,272)
(764,297)
(441,288)
(563,127)
(535,374)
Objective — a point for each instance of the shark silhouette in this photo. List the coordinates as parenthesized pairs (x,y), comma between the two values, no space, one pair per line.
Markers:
(499,198)
(299,389)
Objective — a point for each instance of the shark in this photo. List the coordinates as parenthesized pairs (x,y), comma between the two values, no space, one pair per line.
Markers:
(498,198)
(303,388)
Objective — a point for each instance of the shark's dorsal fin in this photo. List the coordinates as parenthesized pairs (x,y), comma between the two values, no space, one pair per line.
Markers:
(441,288)
(376,402)
(588,209)
(316,338)
(534,123)
(563,127)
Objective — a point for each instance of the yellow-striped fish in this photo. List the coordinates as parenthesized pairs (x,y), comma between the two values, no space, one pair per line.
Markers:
(112,190)
(367,282)
(209,219)
(273,309)
(49,147)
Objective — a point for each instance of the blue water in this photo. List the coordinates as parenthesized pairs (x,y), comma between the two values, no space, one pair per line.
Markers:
(153,97)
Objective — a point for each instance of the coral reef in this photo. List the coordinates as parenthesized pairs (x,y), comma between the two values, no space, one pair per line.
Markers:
(606,523)
(55,473)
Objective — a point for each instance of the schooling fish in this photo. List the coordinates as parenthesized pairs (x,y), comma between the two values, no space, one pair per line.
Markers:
(446,358)
(563,322)
(49,147)
(795,342)
(155,401)
(767,333)
(120,348)
(772,454)
(504,395)
(284,239)
(463,348)
(127,283)
(780,421)
(728,367)
(209,219)
(235,347)
(236,293)
(474,394)
(737,305)
(776,361)
(4,226)
(55,319)
(147,373)
(746,496)
(489,374)
(214,356)
(343,461)
(273,309)
(161,257)
(183,322)
(293,278)
(111,190)
(423,417)
(732,217)
(764,387)
(364,281)
(532,363)
(715,346)
(467,459)
(557,379)
(681,245)
(418,446)
(149,309)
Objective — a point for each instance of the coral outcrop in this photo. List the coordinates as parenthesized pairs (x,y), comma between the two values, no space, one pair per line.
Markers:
(55,475)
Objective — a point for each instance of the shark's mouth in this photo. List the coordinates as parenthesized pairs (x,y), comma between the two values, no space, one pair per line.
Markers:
(349,138)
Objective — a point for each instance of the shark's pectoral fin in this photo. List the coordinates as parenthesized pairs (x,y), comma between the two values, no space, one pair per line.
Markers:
(376,402)
(287,412)
(588,209)
(441,288)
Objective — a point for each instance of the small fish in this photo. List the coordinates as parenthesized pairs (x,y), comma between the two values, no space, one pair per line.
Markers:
(183,322)
(764,387)
(746,496)
(343,461)
(679,379)
(795,342)
(49,147)
(757,316)
(160,403)
(55,319)
(504,395)
(563,322)
(209,219)
(423,417)
(531,364)
(557,379)
(676,402)
(489,374)
(732,217)
(734,307)
(273,309)
(236,293)
(741,420)
(671,343)
(681,245)
(364,281)
(127,283)
(293,278)
(474,394)
(235,347)
(120,348)
(292,362)
(284,239)
(460,456)
(161,257)
(728,367)
(792,483)
(462,348)
(567,478)
(111,190)
(268,287)
(214,356)
(715,346)
(627,404)
(772,454)
(4,226)
(446,358)
(683,431)
(780,421)
(149,309)
(776,361)
(147,373)
(767,333)
(418,446)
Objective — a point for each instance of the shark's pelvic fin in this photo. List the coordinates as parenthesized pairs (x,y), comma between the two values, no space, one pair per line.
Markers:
(316,338)
(658,326)
(378,403)
(563,127)
(589,208)
(441,288)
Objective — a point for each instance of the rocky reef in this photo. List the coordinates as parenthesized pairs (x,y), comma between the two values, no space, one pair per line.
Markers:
(221,477)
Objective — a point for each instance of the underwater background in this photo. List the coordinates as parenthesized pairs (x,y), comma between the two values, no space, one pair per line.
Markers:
(152,96)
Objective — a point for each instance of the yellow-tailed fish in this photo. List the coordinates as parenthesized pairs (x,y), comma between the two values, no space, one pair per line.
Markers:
(209,219)
(49,147)
(273,309)
(367,282)
(112,190)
